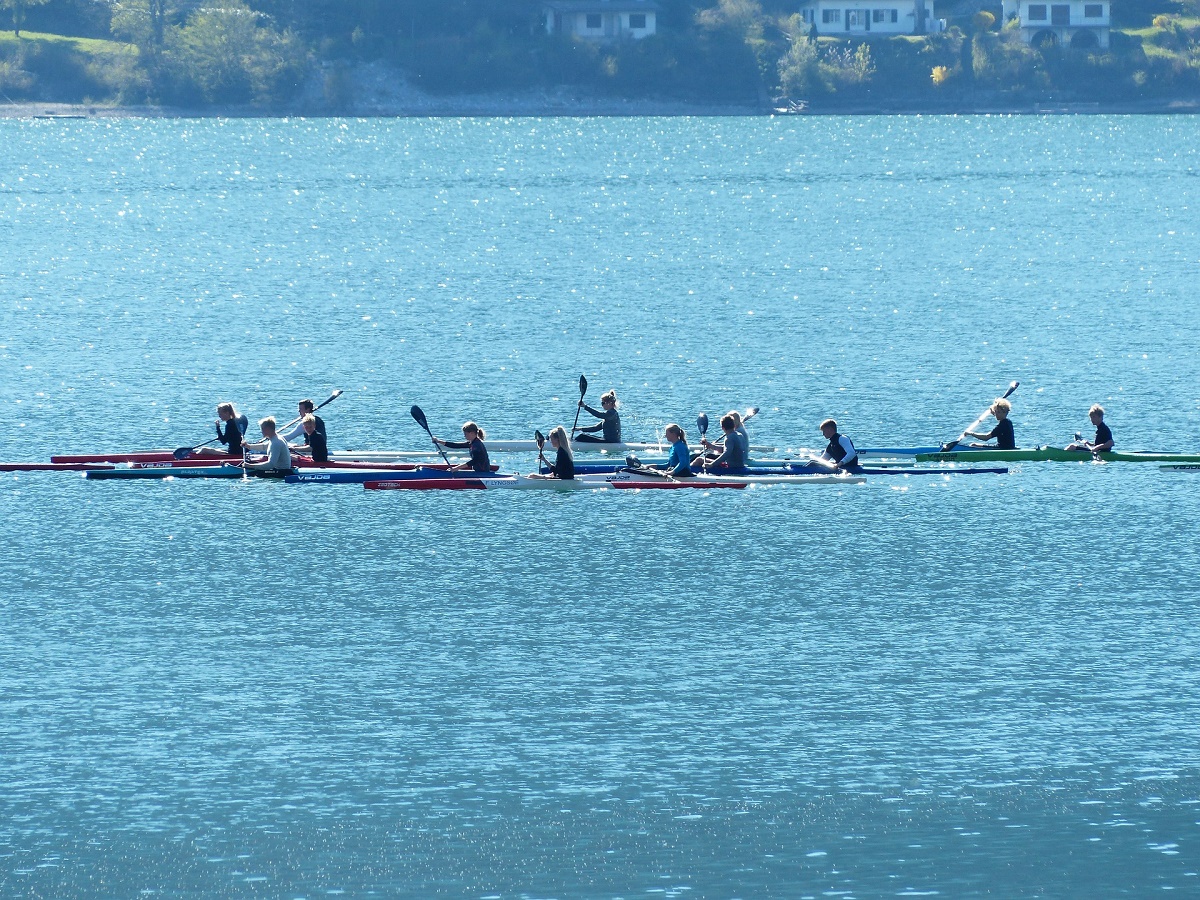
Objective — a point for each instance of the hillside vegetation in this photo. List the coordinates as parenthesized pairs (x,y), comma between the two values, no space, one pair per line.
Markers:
(264,53)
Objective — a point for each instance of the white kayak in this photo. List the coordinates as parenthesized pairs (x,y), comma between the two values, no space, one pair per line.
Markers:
(619,480)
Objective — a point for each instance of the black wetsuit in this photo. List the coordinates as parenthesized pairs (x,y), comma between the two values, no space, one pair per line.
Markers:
(1103,436)
(611,426)
(564,466)
(479,454)
(318,446)
(1003,433)
(232,435)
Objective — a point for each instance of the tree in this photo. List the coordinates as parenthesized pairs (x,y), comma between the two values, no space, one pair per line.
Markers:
(18,8)
(144,22)
(230,57)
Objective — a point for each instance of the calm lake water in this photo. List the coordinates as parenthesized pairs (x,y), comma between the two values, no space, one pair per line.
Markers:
(974,686)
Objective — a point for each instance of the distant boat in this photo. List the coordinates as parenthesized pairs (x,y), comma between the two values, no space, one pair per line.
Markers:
(793,106)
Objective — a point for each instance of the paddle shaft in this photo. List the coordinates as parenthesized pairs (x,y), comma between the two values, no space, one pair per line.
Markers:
(582,392)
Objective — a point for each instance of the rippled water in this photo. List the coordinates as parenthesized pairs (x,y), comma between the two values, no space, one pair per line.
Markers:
(914,687)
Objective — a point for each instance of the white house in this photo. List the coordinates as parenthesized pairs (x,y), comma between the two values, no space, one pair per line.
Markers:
(601,20)
(867,18)
(1080,24)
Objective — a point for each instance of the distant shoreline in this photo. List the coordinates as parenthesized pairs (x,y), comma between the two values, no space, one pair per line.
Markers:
(543,107)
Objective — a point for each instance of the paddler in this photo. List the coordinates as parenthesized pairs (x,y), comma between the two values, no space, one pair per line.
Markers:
(677,463)
(1002,433)
(232,435)
(315,446)
(279,458)
(610,424)
(564,459)
(306,408)
(1103,442)
(733,453)
(840,455)
(473,442)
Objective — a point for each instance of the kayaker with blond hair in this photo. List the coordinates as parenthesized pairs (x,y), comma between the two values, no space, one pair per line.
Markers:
(1103,442)
(610,426)
(1003,432)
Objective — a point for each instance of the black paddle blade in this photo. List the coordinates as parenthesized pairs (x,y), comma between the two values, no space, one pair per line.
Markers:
(702,423)
(182,452)
(417,414)
(540,438)
(1012,387)
(750,413)
(582,386)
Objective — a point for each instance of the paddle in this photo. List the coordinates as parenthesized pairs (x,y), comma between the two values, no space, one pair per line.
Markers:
(541,442)
(582,391)
(702,426)
(185,452)
(946,448)
(1095,453)
(424,423)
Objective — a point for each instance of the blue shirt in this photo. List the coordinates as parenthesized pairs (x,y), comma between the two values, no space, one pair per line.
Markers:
(678,459)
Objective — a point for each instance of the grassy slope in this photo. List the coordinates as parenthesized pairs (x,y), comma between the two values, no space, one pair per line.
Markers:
(88,46)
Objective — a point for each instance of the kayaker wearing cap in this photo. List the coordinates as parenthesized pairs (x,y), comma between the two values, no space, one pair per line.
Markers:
(1104,436)
(315,446)
(279,458)
(306,408)
(473,442)
(677,463)
(733,455)
(564,459)
(610,426)
(840,454)
(232,435)
(1002,433)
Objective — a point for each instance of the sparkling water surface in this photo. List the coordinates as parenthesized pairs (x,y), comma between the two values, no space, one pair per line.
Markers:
(954,687)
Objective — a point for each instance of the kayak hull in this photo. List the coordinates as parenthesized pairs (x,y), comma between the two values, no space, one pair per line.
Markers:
(1054,454)
(616,480)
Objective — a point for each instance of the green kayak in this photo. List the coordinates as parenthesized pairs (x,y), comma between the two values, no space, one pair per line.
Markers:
(1036,454)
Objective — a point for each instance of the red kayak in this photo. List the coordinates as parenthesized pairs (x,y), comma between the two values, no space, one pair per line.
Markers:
(52,467)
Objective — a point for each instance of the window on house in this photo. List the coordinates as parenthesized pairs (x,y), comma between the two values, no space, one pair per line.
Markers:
(594,21)
(895,16)
(885,15)
(637,20)
(1093,11)
(855,17)
(1060,14)
(830,16)
(1037,12)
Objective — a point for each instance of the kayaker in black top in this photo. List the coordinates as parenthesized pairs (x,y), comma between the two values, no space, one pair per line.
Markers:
(232,435)
(840,455)
(474,435)
(1002,433)
(306,408)
(610,426)
(315,445)
(732,457)
(564,459)
(1104,436)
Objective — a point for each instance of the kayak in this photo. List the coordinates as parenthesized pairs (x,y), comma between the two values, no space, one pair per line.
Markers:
(371,456)
(364,474)
(619,480)
(1056,454)
(299,463)
(784,468)
(51,467)
(162,474)
(1181,467)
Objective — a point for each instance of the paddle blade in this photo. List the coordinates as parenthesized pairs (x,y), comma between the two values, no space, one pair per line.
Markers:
(182,452)
(582,386)
(419,416)
(1012,387)
(702,423)
(750,413)
(540,438)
